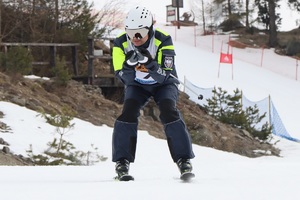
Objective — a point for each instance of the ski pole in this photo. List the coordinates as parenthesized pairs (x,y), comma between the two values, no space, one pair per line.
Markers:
(200,96)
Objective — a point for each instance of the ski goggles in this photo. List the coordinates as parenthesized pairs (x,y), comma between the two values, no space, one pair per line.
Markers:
(137,33)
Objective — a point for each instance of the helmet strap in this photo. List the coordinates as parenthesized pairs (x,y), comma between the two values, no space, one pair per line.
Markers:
(151,32)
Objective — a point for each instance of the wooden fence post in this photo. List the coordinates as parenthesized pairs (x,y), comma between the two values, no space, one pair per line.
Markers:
(52,56)
(90,60)
(75,60)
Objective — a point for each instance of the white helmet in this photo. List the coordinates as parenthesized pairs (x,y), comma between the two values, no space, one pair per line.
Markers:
(138,17)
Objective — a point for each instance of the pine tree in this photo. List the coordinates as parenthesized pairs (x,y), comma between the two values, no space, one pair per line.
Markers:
(229,109)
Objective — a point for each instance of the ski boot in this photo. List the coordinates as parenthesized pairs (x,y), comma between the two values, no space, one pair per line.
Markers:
(185,168)
(122,169)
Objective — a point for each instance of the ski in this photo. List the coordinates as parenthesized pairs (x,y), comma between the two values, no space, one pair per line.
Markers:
(187,176)
(125,177)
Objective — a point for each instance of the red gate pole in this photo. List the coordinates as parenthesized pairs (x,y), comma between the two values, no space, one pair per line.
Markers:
(213,42)
(262,56)
(296,69)
(195,36)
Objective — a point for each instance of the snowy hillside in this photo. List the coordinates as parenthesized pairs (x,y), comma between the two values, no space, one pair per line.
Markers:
(219,175)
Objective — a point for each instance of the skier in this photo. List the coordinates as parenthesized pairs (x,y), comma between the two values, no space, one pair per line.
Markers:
(143,59)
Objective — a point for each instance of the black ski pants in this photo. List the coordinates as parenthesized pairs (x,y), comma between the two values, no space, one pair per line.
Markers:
(125,129)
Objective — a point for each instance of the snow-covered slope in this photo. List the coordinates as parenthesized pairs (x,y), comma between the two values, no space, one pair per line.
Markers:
(219,175)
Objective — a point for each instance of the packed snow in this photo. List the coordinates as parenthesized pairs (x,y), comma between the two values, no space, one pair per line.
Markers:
(219,175)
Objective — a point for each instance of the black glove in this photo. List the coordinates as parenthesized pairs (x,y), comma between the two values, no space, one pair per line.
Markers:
(144,57)
(131,58)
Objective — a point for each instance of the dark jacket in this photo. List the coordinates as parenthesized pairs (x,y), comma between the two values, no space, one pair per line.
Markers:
(161,48)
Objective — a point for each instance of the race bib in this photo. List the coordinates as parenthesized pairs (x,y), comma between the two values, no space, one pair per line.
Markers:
(144,78)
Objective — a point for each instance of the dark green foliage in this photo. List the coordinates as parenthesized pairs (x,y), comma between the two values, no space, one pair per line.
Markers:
(61,72)
(60,151)
(67,21)
(250,30)
(229,109)
(62,120)
(231,24)
(16,60)
(215,107)
(79,22)
(293,48)
(263,133)
(71,21)
(264,13)
(65,156)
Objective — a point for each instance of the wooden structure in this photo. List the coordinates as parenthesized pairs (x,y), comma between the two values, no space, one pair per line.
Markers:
(103,80)
(52,50)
